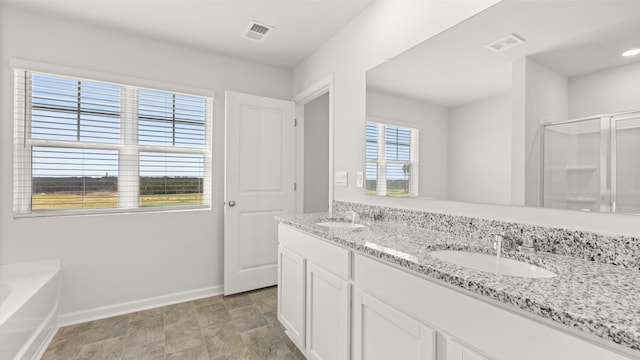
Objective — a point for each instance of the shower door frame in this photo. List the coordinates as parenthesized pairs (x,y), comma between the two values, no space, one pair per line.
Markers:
(615,118)
(608,144)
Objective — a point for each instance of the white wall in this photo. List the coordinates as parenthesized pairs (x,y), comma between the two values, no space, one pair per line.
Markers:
(113,259)
(383,30)
(480,151)
(546,100)
(518,122)
(602,92)
(431,121)
(316,155)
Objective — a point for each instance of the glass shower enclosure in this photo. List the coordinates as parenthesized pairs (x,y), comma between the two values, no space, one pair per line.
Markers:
(592,164)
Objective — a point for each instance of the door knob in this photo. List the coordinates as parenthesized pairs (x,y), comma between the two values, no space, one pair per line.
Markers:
(232,203)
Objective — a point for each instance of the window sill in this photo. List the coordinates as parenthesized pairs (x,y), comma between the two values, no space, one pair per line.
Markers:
(110,212)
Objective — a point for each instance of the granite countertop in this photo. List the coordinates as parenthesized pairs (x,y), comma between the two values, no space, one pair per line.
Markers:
(600,299)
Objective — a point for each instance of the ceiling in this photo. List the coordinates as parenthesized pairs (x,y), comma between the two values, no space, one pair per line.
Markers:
(301,26)
(455,68)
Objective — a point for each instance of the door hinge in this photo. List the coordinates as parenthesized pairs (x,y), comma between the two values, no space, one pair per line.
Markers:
(295,186)
(295,122)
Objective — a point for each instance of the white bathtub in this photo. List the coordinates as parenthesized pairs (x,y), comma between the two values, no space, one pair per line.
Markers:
(29,302)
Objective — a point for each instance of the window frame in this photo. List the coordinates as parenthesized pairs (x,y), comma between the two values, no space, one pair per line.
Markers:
(128,147)
(381,161)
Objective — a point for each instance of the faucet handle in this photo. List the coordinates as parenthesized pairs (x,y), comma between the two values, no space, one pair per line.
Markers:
(378,214)
(528,244)
(517,241)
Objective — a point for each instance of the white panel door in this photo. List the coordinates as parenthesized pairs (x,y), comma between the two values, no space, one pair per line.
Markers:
(327,315)
(382,332)
(291,290)
(259,184)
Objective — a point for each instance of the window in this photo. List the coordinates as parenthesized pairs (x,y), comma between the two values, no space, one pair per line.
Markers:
(88,146)
(392,160)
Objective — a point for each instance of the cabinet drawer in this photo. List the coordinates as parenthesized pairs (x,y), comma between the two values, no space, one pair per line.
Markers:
(330,257)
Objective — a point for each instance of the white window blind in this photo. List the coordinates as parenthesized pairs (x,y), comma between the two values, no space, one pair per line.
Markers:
(391,160)
(74,110)
(89,146)
(171,119)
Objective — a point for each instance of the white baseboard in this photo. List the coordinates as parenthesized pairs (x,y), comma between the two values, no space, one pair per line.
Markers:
(137,305)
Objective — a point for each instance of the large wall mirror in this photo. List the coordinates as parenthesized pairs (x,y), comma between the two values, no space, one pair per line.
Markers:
(529,103)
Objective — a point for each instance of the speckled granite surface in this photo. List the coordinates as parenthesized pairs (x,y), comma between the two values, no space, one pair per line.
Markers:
(597,298)
(602,248)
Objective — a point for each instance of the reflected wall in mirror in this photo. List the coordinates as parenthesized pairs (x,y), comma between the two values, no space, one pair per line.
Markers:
(552,121)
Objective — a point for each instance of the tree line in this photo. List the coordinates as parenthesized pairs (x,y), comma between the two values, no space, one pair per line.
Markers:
(148,185)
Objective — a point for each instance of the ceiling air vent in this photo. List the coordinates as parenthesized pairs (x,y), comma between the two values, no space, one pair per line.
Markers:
(257,31)
(505,43)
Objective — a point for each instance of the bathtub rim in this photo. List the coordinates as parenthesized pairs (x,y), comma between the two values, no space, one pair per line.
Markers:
(11,275)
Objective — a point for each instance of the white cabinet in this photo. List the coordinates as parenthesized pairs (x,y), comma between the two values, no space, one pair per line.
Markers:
(381,332)
(456,351)
(327,315)
(314,295)
(489,327)
(397,314)
(291,291)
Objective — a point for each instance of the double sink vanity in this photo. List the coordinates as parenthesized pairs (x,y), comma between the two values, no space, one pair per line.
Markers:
(397,290)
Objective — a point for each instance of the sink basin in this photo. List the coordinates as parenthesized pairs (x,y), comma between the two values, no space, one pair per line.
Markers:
(340,224)
(492,264)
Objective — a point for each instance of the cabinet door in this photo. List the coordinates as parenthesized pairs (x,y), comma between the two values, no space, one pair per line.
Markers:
(291,290)
(327,315)
(456,351)
(382,332)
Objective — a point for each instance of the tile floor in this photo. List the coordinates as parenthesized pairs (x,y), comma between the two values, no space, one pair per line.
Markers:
(237,327)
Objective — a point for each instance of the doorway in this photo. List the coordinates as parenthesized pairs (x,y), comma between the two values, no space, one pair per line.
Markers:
(314,147)
(316,155)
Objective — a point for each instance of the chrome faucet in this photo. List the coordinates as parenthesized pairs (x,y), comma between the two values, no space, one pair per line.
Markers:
(351,216)
(503,241)
(497,243)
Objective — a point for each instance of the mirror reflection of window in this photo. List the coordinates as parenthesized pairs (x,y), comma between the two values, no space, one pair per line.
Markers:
(392,160)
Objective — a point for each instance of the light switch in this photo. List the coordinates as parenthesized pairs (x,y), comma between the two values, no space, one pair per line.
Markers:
(341,179)
(360,179)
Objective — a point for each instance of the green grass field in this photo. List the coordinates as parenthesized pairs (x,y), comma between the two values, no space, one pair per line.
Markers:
(393,192)
(58,201)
